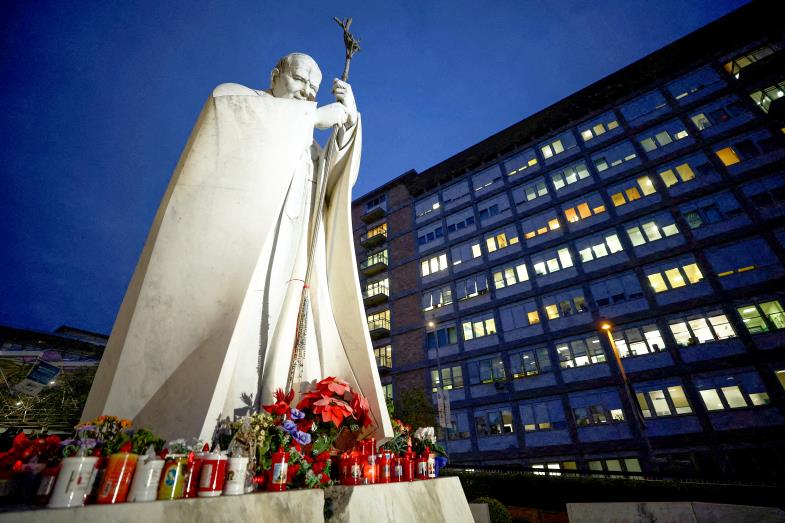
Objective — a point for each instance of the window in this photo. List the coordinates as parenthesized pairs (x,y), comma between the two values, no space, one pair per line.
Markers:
(429,234)
(751,146)
(713,209)
(638,341)
(519,315)
(565,303)
(509,274)
(734,259)
(501,238)
(465,252)
(662,401)
(598,126)
(735,391)
(569,175)
(497,206)
(374,288)
(762,316)
(379,229)
(701,327)
(434,264)
(380,320)
(375,202)
(734,67)
(543,415)
(427,206)
(459,426)
(719,112)
(598,246)
(631,190)
(493,422)
(694,83)
(375,258)
(766,191)
(472,286)
(523,161)
(780,376)
(452,378)
(616,465)
(460,222)
(764,97)
(383,356)
(580,352)
(651,228)
(663,135)
(548,262)
(388,391)
(644,108)
(685,170)
(455,194)
(614,156)
(442,336)
(562,143)
(484,180)
(618,289)
(597,415)
(540,225)
(529,362)
(479,326)
(530,192)
(435,298)
(553,469)
(486,370)
(583,208)
(674,274)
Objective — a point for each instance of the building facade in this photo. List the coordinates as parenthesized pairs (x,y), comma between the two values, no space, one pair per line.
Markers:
(641,216)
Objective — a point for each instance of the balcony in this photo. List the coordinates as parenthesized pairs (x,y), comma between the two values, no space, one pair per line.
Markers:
(376,293)
(383,358)
(374,237)
(374,264)
(374,214)
(378,327)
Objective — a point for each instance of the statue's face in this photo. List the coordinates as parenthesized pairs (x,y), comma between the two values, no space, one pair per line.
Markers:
(300,81)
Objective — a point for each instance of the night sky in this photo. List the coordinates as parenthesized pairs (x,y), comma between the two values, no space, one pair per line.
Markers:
(98,99)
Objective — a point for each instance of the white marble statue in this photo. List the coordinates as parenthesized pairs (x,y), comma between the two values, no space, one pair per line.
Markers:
(207,325)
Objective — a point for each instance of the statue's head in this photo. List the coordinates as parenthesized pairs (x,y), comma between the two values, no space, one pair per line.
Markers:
(297,76)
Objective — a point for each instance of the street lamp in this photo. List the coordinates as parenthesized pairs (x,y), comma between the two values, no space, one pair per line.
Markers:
(442,400)
(606,326)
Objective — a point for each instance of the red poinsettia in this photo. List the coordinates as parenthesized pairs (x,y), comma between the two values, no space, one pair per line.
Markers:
(332,410)
(334,385)
(282,401)
(361,409)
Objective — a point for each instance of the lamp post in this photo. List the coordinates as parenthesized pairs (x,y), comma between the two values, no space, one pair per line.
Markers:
(441,398)
(606,326)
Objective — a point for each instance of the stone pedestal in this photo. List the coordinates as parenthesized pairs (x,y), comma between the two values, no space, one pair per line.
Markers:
(420,501)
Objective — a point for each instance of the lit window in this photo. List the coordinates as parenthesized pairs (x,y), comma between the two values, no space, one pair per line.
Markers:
(673,277)
(728,156)
(701,328)
(735,66)
(433,265)
(763,316)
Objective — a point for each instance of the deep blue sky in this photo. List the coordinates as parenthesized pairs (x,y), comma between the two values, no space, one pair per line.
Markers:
(98,99)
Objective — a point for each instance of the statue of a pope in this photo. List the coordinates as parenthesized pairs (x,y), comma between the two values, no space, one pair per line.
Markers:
(208,323)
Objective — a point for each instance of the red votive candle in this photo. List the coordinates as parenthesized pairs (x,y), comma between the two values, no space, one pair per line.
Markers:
(385,472)
(278,472)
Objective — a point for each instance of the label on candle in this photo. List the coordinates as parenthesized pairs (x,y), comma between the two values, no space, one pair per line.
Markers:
(398,470)
(356,471)
(207,476)
(279,473)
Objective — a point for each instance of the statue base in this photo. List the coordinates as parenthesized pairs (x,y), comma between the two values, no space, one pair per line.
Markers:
(420,501)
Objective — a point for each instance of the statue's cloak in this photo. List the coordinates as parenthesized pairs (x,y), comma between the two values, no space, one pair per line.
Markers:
(171,357)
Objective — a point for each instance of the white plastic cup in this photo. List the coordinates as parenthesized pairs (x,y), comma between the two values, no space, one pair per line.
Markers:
(73,482)
(235,476)
(146,478)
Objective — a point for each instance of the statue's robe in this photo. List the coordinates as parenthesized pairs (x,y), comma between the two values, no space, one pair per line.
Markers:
(207,325)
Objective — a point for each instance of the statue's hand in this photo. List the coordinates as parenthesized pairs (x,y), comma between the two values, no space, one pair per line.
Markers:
(330,115)
(343,93)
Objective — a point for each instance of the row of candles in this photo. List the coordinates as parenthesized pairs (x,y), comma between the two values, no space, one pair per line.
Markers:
(127,477)
(364,466)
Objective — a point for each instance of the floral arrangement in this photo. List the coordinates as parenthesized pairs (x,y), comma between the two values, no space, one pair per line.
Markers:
(42,450)
(107,435)
(401,440)
(425,438)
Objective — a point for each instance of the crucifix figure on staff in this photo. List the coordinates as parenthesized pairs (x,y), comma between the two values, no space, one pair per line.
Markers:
(248,281)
